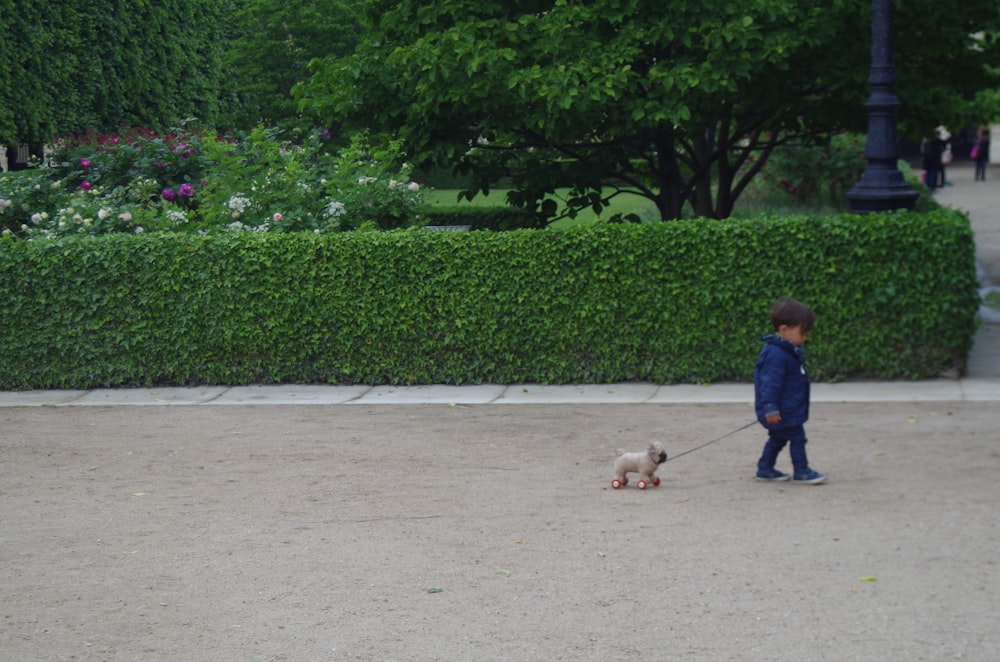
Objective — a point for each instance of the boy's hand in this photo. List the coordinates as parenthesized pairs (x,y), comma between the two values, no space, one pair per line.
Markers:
(774,418)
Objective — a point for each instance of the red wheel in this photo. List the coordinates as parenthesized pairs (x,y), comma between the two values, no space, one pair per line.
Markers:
(656,481)
(616,483)
(641,484)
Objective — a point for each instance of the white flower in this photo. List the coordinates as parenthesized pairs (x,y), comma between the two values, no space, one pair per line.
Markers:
(176,216)
(238,203)
(393,183)
(138,229)
(125,216)
(414,187)
(335,209)
(36,218)
(103,214)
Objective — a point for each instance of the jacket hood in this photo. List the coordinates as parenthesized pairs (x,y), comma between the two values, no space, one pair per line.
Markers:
(791,348)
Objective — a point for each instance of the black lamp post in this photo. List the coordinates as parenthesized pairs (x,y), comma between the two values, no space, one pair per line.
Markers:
(882,187)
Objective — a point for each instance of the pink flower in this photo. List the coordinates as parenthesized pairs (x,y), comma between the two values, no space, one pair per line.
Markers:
(185,190)
(85,186)
(277,218)
(168,194)
(85,162)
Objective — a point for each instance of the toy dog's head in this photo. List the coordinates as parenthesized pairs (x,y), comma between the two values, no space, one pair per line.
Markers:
(656,453)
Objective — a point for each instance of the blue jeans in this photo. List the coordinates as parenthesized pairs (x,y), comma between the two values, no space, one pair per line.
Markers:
(795,437)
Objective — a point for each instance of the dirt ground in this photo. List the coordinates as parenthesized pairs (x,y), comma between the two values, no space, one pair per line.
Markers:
(434,532)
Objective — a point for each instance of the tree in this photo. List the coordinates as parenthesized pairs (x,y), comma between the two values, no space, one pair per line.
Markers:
(99,64)
(679,102)
(272,45)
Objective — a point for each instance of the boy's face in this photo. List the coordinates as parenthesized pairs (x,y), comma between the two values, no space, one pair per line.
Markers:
(793,334)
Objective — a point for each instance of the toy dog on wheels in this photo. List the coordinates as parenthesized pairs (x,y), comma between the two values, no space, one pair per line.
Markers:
(643,463)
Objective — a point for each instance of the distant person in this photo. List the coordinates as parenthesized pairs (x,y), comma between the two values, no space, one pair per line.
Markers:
(932,148)
(944,136)
(981,152)
(781,392)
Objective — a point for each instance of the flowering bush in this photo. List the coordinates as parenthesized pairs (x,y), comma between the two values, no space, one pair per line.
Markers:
(201,182)
(115,160)
(817,174)
(385,200)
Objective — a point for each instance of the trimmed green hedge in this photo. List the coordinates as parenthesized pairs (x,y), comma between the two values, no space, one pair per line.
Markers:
(896,297)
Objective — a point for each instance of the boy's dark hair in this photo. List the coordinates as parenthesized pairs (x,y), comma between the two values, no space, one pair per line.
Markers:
(792,312)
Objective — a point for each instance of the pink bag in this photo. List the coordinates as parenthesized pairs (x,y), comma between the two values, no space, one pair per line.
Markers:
(974,152)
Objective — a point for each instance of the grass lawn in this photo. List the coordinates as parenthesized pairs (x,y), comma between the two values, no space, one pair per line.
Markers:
(625,203)
(992,299)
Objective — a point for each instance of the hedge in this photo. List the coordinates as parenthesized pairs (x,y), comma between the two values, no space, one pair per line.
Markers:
(896,297)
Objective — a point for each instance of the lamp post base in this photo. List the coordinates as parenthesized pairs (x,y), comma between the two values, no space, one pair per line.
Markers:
(873,200)
(881,188)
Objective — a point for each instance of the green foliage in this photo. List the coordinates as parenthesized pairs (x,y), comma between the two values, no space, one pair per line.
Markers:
(933,88)
(99,64)
(815,174)
(896,296)
(270,48)
(189,181)
(984,108)
(666,100)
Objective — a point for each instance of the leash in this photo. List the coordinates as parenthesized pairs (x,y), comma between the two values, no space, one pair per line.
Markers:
(708,443)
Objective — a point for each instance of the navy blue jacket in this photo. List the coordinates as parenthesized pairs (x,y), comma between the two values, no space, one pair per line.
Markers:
(780,383)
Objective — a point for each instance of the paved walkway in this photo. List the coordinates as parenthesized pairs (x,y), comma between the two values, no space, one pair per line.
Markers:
(982,383)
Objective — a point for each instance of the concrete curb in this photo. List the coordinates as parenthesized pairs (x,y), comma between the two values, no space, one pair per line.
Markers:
(938,390)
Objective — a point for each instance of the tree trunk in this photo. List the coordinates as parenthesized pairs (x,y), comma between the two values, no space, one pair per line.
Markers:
(670,199)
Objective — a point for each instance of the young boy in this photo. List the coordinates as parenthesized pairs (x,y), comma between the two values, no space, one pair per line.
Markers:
(781,392)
